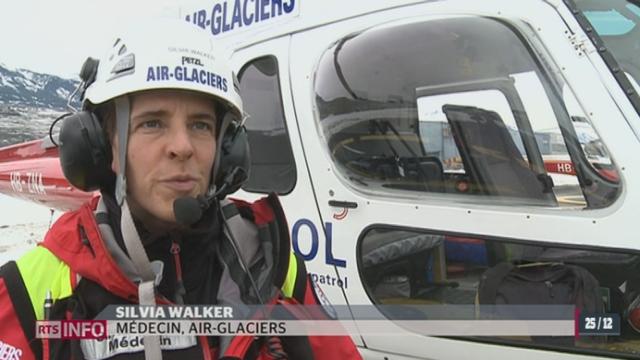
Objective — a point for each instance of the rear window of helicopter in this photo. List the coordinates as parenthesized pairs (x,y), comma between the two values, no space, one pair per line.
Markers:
(436,275)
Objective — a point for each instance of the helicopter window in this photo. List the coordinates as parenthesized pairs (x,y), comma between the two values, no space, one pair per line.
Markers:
(272,164)
(464,277)
(617,22)
(457,106)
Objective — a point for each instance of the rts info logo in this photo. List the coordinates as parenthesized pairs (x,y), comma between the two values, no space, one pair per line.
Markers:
(72,329)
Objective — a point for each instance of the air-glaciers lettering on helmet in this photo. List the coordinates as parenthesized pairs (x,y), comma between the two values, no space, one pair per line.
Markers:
(183,73)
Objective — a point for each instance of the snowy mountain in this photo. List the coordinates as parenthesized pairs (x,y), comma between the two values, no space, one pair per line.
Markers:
(24,88)
(29,102)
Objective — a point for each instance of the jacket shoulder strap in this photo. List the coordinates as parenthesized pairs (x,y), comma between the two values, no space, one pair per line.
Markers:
(290,273)
(19,307)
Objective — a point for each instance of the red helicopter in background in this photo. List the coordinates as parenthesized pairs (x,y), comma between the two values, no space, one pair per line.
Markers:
(32,171)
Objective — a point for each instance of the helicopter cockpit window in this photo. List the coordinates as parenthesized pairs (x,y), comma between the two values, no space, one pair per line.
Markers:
(457,106)
(439,276)
(617,22)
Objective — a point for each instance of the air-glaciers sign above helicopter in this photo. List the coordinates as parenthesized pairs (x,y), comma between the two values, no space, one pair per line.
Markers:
(231,16)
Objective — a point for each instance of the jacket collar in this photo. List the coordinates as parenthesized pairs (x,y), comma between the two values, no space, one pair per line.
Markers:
(76,240)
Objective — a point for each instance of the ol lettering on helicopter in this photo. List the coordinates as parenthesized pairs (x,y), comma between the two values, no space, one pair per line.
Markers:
(312,251)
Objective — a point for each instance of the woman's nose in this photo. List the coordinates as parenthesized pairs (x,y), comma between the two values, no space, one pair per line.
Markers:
(180,143)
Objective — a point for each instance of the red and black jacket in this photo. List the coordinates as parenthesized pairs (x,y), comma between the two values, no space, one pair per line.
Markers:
(80,250)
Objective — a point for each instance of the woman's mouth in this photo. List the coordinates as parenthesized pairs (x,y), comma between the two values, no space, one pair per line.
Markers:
(181,183)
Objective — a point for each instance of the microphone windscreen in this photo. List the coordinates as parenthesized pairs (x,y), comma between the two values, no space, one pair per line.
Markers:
(187,210)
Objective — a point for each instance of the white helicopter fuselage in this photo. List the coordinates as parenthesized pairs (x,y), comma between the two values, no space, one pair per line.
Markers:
(351,131)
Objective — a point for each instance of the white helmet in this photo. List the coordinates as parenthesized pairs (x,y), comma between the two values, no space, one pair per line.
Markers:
(164,54)
(160,54)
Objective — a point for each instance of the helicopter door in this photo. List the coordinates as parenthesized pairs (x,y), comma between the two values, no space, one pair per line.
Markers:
(431,143)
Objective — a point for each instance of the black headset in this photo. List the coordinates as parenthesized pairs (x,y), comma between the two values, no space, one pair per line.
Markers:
(85,151)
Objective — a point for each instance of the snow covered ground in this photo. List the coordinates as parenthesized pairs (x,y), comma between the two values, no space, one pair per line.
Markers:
(22,225)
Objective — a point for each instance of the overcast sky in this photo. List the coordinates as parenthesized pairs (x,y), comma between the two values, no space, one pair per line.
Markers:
(55,36)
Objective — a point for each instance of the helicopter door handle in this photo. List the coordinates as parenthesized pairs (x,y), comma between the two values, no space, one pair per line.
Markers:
(343,204)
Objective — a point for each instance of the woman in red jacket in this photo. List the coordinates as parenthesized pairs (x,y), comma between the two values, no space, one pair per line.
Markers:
(160,136)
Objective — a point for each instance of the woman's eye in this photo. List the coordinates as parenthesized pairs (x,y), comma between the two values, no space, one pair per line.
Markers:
(150,124)
(202,125)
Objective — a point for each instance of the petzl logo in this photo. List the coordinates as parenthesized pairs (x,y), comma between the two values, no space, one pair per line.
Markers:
(191,61)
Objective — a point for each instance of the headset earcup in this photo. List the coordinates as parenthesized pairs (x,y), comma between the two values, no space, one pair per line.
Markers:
(233,157)
(84,153)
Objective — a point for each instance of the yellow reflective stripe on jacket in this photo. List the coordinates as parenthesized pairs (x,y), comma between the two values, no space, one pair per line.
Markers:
(42,271)
(290,280)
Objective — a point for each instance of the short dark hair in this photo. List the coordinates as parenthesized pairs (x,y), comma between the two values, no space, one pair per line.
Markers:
(106,113)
